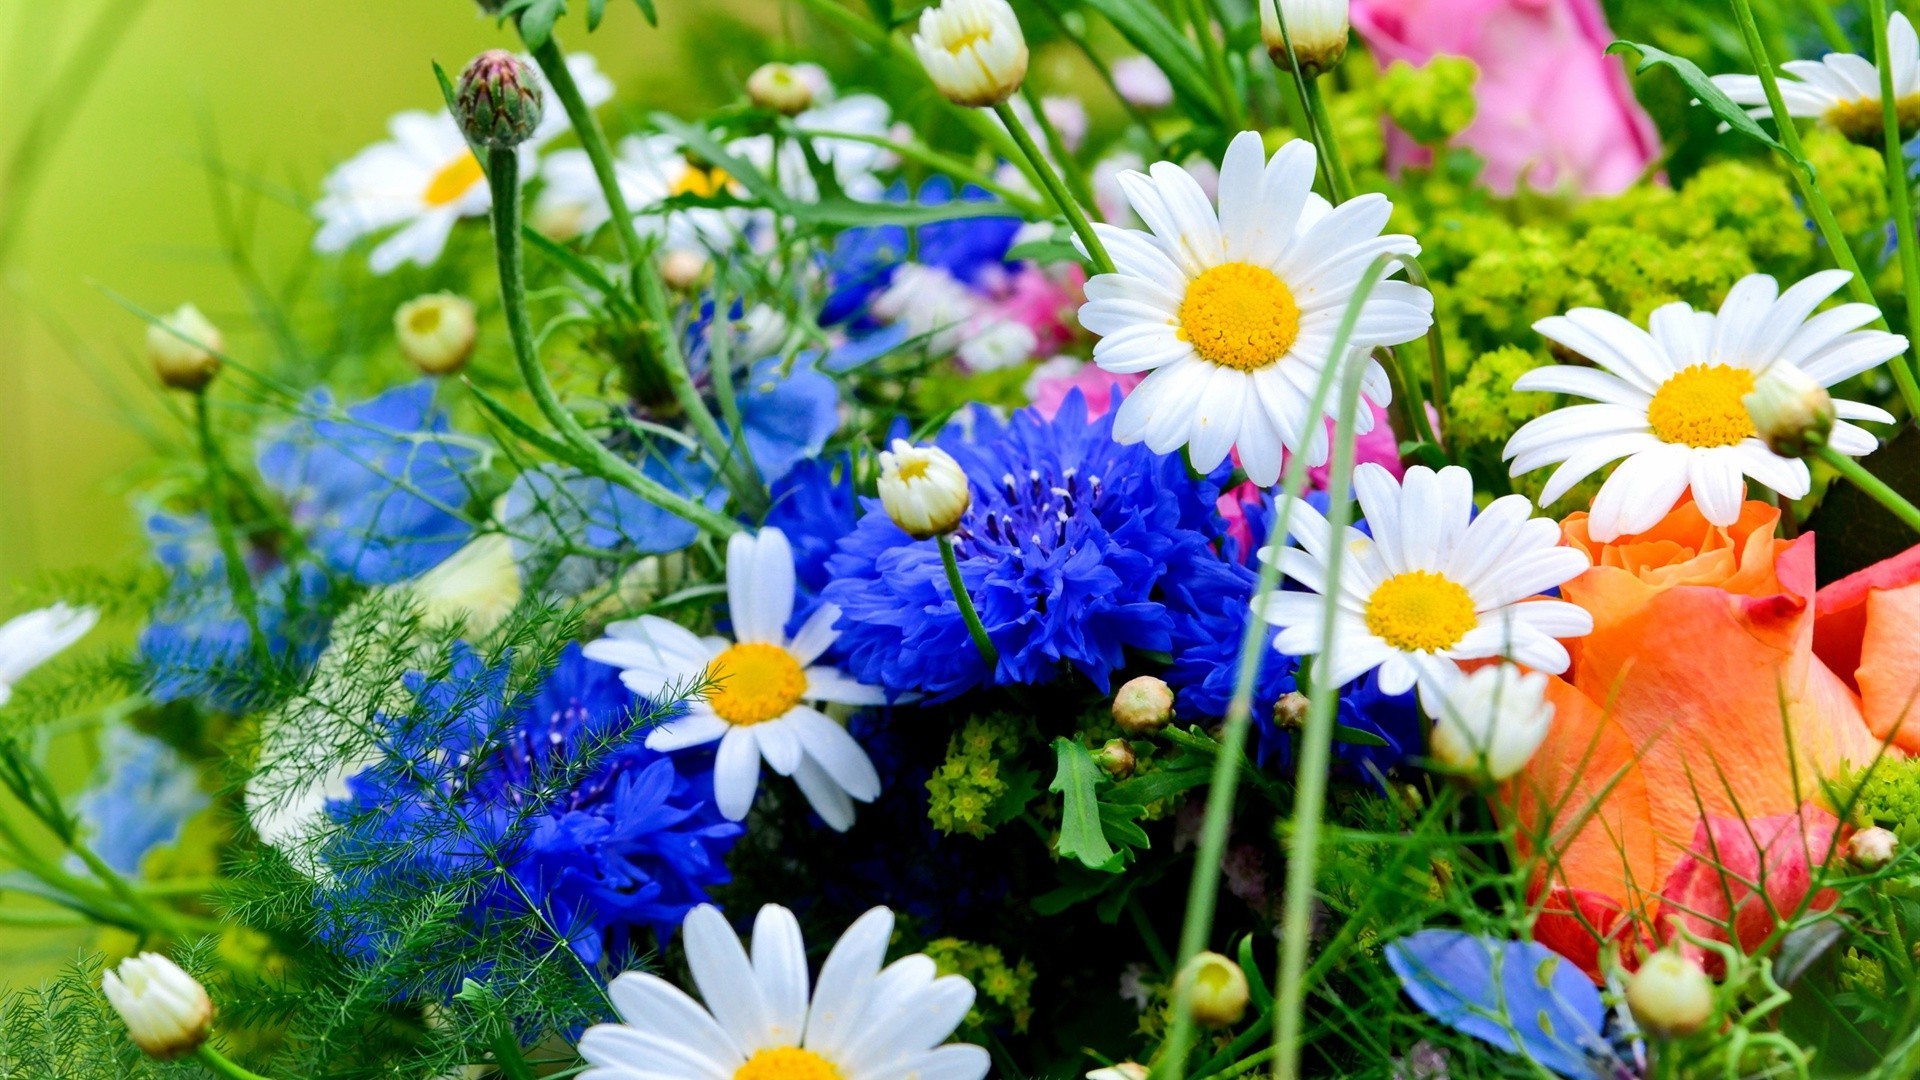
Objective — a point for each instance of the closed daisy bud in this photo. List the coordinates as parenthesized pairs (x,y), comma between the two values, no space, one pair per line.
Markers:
(498,101)
(973,50)
(167,1011)
(1317,28)
(477,586)
(780,88)
(1791,412)
(923,489)
(184,348)
(1116,757)
(1670,995)
(1143,706)
(1216,990)
(1123,1070)
(1491,722)
(436,332)
(683,269)
(1871,849)
(1290,711)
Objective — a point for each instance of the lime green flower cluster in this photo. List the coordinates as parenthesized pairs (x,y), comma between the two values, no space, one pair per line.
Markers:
(1854,180)
(1888,796)
(964,791)
(1432,103)
(1005,990)
(1862,973)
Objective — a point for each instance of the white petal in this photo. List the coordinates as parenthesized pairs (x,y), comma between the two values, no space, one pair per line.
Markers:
(726,978)
(736,773)
(780,965)
(760,585)
(845,977)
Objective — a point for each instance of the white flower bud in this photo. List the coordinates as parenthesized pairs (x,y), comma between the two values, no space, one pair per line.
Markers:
(781,88)
(1143,706)
(973,50)
(1873,848)
(1216,990)
(436,332)
(1791,412)
(184,348)
(1317,28)
(477,586)
(1120,1070)
(1491,722)
(923,489)
(1670,995)
(682,269)
(167,1011)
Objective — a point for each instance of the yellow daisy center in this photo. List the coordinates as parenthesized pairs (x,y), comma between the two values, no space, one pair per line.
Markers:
(1860,119)
(701,180)
(787,1063)
(754,683)
(914,468)
(1240,316)
(453,181)
(1700,406)
(1421,611)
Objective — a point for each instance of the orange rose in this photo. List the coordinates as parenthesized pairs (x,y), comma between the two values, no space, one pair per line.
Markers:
(1670,720)
(1867,629)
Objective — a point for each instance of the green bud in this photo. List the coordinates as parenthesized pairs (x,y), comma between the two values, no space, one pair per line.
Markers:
(498,101)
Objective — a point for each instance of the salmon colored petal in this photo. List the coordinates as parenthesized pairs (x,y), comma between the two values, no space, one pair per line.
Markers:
(1741,878)
(1866,629)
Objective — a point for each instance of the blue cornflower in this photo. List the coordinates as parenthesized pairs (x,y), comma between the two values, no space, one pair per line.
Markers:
(557,789)
(378,495)
(145,795)
(1066,551)
(864,260)
(814,506)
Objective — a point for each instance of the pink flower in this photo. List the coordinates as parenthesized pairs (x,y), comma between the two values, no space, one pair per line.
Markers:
(1060,376)
(1041,301)
(1554,110)
(1380,446)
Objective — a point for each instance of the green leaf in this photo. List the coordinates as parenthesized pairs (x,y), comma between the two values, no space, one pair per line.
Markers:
(446,85)
(1697,81)
(1256,982)
(1142,24)
(705,146)
(596,10)
(1356,737)
(1081,834)
(1161,784)
(526,432)
(882,12)
(536,19)
(852,212)
(1044,252)
(1118,824)
(648,13)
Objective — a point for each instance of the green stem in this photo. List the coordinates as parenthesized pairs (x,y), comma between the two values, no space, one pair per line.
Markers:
(503,173)
(946,163)
(1056,190)
(238,580)
(1201,20)
(959,585)
(1895,503)
(720,369)
(1900,199)
(1075,176)
(1329,142)
(1412,409)
(594,141)
(1830,26)
(219,1065)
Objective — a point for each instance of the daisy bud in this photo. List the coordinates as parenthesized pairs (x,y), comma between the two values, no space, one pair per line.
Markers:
(167,1011)
(1871,849)
(1290,712)
(923,489)
(1216,990)
(1143,706)
(683,269)
(498,101)
(1491,722)
(1791,413)
(1318,29)
(780,88)
(1670,995)
(183,349)
(436,332)
(973,50)
(1121,1070)
(1116,757)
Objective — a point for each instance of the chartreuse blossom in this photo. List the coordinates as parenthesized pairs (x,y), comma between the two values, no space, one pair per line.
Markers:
(1669,399)
(760,1022)
(1843,90)
(1432,102)
(1234,313)
(754,703)
(1433,586)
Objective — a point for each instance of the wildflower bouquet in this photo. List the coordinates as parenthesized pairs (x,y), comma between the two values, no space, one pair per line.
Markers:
(1145,540)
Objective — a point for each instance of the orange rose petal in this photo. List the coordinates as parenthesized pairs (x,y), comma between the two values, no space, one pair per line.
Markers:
(1866,630)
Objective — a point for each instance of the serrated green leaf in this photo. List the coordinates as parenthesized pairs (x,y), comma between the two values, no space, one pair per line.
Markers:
(1081,835)
(1118,824)
(1697,81)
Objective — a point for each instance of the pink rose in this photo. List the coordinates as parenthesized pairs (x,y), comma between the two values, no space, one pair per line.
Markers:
(1055,379)
(1554,109)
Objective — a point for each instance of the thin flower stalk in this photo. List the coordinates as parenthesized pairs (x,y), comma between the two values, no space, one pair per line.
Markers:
(1899,197)
(1056,189)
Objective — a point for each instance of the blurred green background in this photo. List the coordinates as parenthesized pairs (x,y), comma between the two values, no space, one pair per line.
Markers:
(277,91)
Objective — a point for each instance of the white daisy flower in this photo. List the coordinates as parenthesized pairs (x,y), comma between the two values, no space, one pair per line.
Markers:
(852,162)
(650,170)
(425,178)
(1234,313)
(1433,586)
(860,1022)
(761,680)
(27,641)
(1669,399)
(1843,90)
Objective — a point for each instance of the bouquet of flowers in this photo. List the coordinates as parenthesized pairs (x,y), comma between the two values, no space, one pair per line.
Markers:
(1126,538)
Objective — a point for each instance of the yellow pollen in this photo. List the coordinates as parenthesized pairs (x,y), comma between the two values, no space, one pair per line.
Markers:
(1700,406)
(914,469)
(1421,611)
(754,683)
(450,183)
(1860,119)
(787,1063)
(1240,316)
(702,181)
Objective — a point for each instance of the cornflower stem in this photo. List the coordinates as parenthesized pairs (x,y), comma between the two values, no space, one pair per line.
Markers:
(972,617)
(239,582)
(594,141)
(1056,190)
(1075,176)
(1337,174)
(220,1065)
(1857,473)
(1899,197)
(503,174)
(1810,193)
